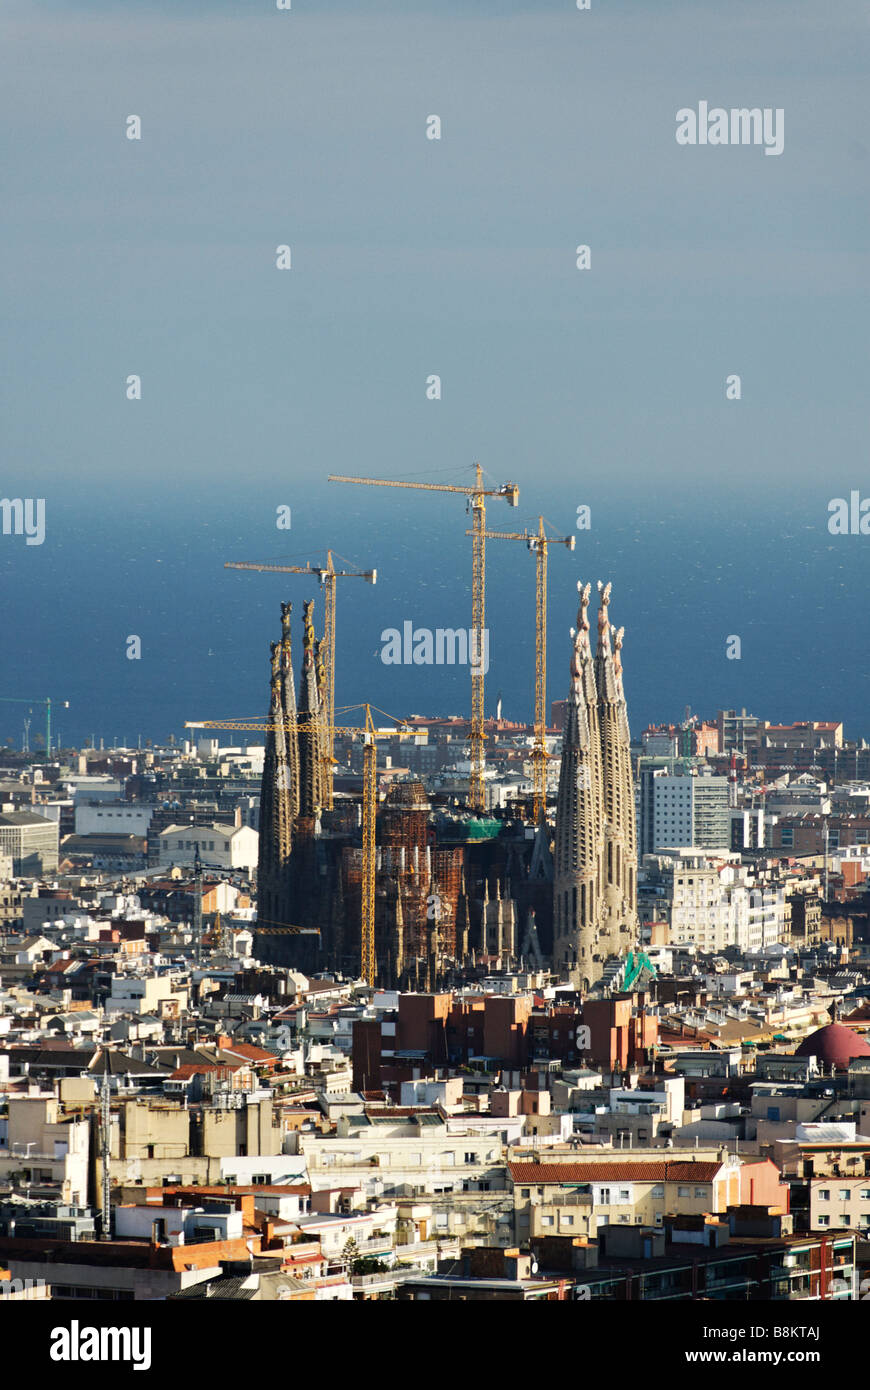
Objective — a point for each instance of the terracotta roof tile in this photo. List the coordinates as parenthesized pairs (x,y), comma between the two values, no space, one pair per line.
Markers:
(616,1171)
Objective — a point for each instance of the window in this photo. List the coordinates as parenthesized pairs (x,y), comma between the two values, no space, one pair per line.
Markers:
(260,1179)
(604,1196)
(569,1220)
(525,1192)
(700,1191)
(824,1220)
(824,1194)
(658,1191)
(684,1192)
(546,1220)
(471,1158)
(624,1194)
(864,1194)
(844,1194)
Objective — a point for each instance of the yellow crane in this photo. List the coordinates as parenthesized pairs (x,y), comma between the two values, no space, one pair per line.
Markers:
(476,495)
(327,575)
(370,734)
(539,543)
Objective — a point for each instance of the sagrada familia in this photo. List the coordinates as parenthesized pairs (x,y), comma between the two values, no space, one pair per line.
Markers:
(595,868)
(452,892)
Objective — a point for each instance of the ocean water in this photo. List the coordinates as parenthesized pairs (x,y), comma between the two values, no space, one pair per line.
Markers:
(683,584)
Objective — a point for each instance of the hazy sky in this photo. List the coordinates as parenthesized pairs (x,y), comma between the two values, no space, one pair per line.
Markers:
(412,257)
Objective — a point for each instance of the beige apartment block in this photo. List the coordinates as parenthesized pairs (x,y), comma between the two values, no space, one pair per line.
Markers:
(839,1204)
(46,1152)
(575,1198)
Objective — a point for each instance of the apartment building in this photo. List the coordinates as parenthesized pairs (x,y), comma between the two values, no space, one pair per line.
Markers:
(43,1150)
(412,1155)
(577,1197)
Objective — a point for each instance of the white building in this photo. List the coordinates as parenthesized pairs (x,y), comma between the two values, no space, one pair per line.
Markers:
(710,904)
(31,842)
(690,811)
(113,818)
(226,846)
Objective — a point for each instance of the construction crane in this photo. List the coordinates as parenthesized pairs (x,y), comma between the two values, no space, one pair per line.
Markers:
(370,734)
(539,543)
(476,498)
(327,575)
(18,700)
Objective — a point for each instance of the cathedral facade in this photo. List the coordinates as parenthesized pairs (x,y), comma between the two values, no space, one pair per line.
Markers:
(444,899)
(595,854)
(449,893)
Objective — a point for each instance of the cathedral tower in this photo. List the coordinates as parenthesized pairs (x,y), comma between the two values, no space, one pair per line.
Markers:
(595,869)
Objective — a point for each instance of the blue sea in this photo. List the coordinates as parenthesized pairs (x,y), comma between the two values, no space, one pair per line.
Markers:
(684,582)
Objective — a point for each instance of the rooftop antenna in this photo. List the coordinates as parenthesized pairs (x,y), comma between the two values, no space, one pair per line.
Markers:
(105,1150)
(197,904)
(826,858)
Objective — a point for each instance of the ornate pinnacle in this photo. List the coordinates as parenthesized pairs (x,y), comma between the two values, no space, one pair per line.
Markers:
(603,619)
(584,590)
(318,663)
(308,637)
(617,653)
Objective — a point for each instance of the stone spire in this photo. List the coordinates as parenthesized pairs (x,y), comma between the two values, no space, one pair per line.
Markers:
(276,810)
(578,839)
(629,826)
(288,695)
(310,718)
(617,922)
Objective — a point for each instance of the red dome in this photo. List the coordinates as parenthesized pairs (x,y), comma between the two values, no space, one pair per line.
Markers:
(834,1045)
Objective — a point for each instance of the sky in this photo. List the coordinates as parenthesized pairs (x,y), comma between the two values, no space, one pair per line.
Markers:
(412,257)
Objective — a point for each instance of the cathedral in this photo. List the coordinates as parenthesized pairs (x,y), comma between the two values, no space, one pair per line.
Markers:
(595,859)
(453,891)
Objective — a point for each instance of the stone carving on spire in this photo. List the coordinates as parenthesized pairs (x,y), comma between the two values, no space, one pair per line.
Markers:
(617,655)
(603,617)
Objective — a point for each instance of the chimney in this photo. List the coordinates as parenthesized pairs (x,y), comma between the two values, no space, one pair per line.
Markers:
(237,818)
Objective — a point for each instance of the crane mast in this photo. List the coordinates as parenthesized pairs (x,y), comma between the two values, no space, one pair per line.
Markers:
(370,734)
(476,496)
(538,543)
(327,575)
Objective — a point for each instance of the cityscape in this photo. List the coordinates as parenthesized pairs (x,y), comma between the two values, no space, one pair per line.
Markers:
(435,768)
(293,1009)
